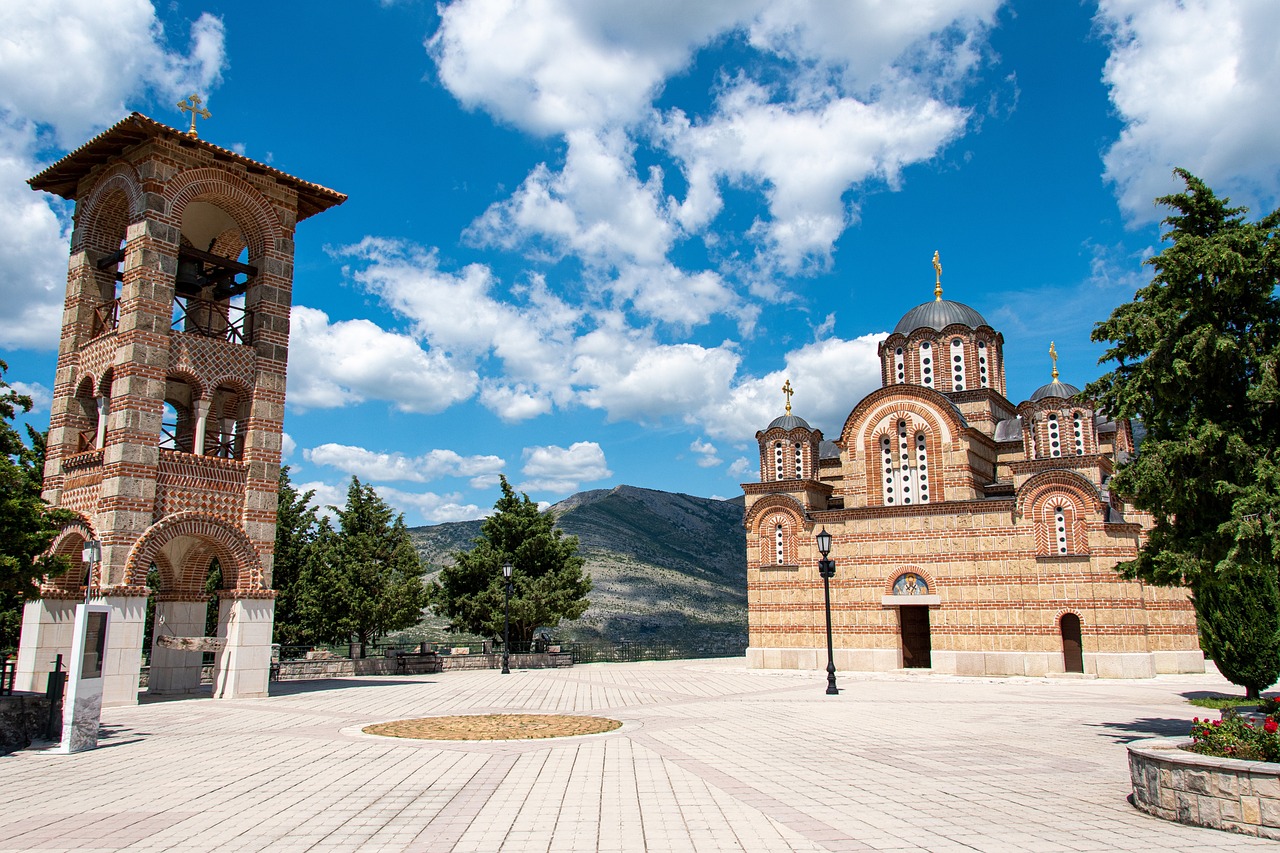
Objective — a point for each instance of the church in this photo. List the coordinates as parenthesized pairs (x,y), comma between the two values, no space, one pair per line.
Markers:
(970,534)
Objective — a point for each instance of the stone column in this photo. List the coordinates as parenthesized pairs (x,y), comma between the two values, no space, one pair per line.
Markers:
(174,670)
(201,408)
(104,410)
(123,661)
(47,626)
(242,669)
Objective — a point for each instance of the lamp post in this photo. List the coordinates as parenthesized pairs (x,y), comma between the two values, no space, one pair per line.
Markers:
(91,554)
(506,621)
(827,568)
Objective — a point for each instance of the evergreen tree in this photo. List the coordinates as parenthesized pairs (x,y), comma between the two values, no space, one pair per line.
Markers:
(27,524)
(1238,610)
(296,530)
(365,578)
(548,581)
(1197,353)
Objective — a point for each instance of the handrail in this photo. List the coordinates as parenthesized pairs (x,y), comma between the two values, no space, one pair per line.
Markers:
(106,318)
(211,319)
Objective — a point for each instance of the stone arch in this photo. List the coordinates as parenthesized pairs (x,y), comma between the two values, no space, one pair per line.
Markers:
(186,538)
(259,226)
(67,543)
(892,578)
(100,221)
(778,534)
(939,412)
(772,502)
(1057,502)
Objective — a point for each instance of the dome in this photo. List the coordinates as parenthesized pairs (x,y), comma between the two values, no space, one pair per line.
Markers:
(789,422)
(1055,389)
(938,315)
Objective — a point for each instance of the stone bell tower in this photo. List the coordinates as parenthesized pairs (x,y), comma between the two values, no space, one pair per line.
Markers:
(169,401)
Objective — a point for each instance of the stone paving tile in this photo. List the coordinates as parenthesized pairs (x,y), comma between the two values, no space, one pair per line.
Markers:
(711,756)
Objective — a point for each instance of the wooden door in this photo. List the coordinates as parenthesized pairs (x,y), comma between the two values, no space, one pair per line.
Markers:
(915,636)
(1072,653)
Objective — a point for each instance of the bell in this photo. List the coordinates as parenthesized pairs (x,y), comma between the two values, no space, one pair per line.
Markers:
(190,277)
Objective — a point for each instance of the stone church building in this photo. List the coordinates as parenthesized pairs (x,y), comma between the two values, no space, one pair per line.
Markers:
(972,535)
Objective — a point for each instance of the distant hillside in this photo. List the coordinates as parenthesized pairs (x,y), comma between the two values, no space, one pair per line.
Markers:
(664,565)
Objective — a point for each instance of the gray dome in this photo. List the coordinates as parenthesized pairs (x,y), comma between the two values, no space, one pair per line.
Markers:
(1055,389)
(789,422)
(937,315)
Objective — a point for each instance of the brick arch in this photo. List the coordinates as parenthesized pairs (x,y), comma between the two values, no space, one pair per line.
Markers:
(188,377)
(893,576)
(1039,500)
(105,381)
(97,223)
(766,529)
(931,406)
(258,223)
(1033,492)
(241,567)
(67,543)
(883,422)
(785,503)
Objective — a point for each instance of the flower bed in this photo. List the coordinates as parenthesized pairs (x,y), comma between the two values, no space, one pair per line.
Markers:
(1202,790)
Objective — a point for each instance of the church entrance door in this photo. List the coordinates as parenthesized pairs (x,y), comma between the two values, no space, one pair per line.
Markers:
(1072,655)
(915,636)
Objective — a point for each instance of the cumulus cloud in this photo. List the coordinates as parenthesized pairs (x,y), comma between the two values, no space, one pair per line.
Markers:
(1192,80)
(287,445)
(432,465)
(560,470)
(67,69)
(350,361)
(706,453)
(41,396)
(738,467)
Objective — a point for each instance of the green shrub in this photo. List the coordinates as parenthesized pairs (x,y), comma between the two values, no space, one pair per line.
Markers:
(1233,737)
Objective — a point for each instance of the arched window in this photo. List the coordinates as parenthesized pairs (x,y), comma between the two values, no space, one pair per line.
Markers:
(1055,445)
(799,454)
(777,461)
(1060,529)
(780,544)
(906,466)
(957,364)
(982,364)
(899,366)
(926,364)
(1077,424)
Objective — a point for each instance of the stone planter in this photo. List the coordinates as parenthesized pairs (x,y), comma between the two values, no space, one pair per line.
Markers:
(1222,793)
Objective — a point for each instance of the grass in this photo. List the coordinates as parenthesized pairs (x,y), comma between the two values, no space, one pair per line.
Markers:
(1219,702)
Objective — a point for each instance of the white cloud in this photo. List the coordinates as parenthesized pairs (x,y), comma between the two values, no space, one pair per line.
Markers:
(435,509)
(559,470)
(738,467)
(706,453)
(348,362)
(67,68)
(1194,82)
(287,445)
(432,465)
(41,397)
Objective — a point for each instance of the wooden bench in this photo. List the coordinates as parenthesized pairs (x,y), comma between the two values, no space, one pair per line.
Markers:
(431,659)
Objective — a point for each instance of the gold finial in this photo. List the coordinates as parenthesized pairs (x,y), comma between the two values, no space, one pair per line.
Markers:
(1053,354)
(937,285)
(786,389)
(195,109)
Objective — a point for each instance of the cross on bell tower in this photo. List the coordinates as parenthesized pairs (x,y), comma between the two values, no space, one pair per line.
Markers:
(167,417)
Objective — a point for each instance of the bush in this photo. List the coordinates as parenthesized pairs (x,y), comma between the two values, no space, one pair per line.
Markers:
(1233,737)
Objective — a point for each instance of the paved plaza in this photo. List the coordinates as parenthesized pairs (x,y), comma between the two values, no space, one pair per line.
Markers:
(711,756)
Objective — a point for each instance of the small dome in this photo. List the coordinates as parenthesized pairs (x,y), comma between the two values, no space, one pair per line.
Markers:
(1055,389)
(937,315)
(789,422)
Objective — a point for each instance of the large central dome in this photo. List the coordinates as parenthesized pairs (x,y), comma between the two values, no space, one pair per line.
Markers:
(937,315)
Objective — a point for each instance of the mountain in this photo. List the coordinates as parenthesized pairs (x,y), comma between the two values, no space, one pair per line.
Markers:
(665,566)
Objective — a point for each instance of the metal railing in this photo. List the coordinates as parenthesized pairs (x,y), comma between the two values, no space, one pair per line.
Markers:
(106,318)
(211,319)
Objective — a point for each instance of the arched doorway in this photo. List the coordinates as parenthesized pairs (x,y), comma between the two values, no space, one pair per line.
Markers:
(1072,651)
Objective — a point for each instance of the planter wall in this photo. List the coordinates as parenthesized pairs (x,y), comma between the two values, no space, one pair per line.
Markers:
(1222,793)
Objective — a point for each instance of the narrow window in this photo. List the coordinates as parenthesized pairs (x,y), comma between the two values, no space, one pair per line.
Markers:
(982,364)
(1055,446)
(922,468)
(799,451)
(1078,425)
(926,364)
(886,453)
(899,365)
(779,544)
(1060,527)
(957,364)
(777,461)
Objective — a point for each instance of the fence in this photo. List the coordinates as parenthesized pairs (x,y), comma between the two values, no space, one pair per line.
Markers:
(627,651)
(8,672)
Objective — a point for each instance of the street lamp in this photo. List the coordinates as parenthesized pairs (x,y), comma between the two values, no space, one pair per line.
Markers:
(92,555)
(506,621)
(827,568)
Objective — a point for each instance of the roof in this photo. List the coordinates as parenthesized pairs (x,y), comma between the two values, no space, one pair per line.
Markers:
(1055,389)
(789,422)
(1009,429)
(828,450)
(63,177)
(937,315)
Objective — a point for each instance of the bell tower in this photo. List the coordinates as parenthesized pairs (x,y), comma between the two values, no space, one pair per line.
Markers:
(168,406)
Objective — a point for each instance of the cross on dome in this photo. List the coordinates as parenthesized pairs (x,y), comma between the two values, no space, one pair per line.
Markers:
(195,109)
(786,389)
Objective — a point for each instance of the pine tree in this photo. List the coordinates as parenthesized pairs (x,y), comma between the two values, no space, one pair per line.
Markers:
(1238,610)
(548,581)
(296,530)
(365,577)
(1197,352)
(27,524)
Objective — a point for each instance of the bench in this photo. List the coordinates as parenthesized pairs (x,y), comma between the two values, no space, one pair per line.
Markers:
(431,659)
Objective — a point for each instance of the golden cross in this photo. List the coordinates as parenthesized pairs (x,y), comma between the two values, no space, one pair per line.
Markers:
(937,286)
(786,389)
(195,109)
(1053,354)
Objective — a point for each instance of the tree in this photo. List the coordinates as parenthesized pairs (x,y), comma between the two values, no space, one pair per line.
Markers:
(548,581)
(296,530)
(1197,353)
(1238,611)
(27,524)
(365,578)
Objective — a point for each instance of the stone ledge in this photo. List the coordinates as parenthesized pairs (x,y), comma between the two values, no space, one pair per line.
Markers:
(1200,790)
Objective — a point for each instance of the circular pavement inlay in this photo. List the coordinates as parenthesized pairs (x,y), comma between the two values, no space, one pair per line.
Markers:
(494,727)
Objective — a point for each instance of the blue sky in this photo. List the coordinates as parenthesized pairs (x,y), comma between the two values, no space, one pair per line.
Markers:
(586,242)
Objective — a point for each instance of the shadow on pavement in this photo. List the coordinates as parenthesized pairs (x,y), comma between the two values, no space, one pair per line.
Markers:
(291,688)
(1146,727)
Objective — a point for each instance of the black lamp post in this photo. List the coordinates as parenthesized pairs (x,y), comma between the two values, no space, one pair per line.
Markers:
(506,621)
(91,554)
(827,568)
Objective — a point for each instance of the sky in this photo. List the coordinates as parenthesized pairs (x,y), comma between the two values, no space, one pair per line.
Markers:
(587,241)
